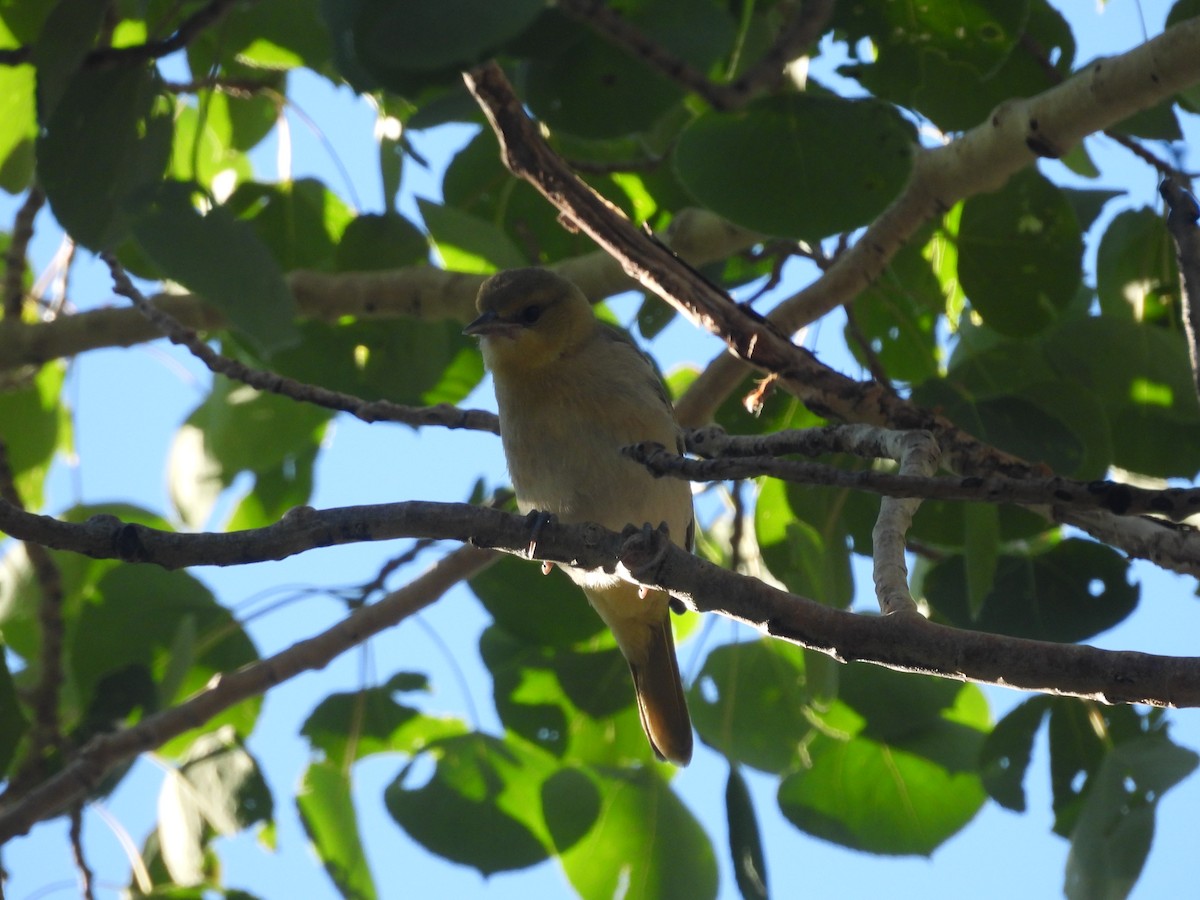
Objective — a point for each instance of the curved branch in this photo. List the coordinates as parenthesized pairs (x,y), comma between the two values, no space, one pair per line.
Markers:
(757,340)
(443,414)
(983,159)
(83,772)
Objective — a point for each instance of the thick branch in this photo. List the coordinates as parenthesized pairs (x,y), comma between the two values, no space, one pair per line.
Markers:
(981,160)
(902,641)
(755,339)
(76,780)
(749,456)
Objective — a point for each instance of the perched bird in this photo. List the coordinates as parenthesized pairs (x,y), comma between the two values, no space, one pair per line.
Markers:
(571,392)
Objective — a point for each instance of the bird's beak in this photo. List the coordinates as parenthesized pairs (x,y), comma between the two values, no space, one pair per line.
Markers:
(489,323)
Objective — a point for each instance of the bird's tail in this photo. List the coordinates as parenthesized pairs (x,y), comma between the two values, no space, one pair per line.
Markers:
(660,699)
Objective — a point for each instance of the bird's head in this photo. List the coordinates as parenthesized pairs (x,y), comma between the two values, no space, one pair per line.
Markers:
(529,318)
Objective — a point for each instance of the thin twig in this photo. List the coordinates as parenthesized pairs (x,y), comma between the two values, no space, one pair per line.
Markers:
(736,456)
(107,57)
(86,878)
(46,735)
(767,73)
(105,751)
(1182,217)
(367,410)
(14,256)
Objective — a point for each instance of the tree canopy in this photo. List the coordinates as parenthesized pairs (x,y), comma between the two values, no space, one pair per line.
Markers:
(998,415)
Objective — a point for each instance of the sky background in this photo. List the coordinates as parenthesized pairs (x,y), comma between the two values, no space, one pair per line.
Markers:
(128,405)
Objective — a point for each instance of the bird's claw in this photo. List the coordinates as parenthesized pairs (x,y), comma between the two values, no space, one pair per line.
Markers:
(537,520)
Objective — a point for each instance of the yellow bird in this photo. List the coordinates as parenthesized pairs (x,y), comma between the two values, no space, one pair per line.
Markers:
(571,392)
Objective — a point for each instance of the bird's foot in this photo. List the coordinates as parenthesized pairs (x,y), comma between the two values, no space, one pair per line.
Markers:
(644,548)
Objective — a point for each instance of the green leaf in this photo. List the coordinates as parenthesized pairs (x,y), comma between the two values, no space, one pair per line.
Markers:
(1005,755)
(749,702)
(1136,273)
(403,360)
(468,244)
(327,811)
(18,126)
(956,62)
(1020,254)
(132,616)
(894,769)
(1088,203)
(1075,590)
(74,25)
(202,151)
(980,553)
(374,242)
(802,532)
(1112,836)
(481,807)
(577,704)
(347,727)
(1082,734)
(591,88)
(217,788)
(897,316)
(807,166)
(547,610)
(300,222)
(745,842)
(428,35)
(96,195)
(36,424)
(222,259)
(645,845)
(571,803)
(476,182)
(1141,377)
(265,35)
(215,445)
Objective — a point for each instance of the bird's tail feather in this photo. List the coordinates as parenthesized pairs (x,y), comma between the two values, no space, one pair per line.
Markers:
(660,699)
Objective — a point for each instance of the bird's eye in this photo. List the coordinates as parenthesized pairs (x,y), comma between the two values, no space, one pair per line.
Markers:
(529,314)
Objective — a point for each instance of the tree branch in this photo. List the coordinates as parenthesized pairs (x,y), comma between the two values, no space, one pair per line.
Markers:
(14,256)
(419,292)
(804,27)
(86,769)
(1183,214)
(46,734)
(108,57)
(749,456)
(954,653)
(755,339)
(368,411)
(981,160)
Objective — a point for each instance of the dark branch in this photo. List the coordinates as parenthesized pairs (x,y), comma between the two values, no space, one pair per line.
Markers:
(750,456)
(367,410)
(14,256)
(805,27)
(86,769)
(1182,217)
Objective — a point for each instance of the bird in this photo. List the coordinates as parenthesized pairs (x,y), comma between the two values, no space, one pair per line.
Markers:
(571,391)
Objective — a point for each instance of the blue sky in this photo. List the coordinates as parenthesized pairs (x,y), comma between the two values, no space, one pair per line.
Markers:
(128,404)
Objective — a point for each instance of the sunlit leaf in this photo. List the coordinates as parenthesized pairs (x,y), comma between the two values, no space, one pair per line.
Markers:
(327,812)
